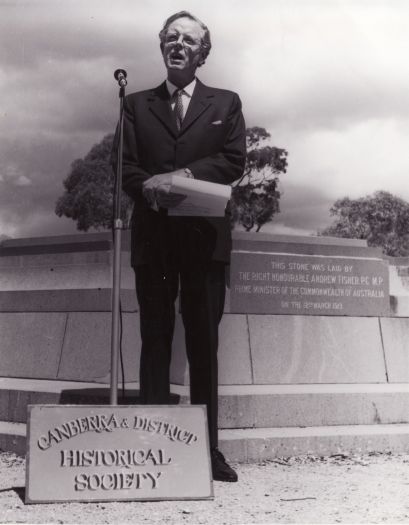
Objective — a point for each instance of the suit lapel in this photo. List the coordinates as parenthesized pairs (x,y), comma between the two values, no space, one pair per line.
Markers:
(201,100)
(159,104)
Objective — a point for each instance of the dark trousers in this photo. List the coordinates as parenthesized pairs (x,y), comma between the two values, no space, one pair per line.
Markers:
(202,295)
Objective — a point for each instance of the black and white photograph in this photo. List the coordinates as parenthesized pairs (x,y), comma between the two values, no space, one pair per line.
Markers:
(204,261)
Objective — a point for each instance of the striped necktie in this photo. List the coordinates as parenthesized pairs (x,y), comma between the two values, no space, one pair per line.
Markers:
(178,109)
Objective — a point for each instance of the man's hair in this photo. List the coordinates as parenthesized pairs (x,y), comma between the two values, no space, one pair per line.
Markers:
(205,44)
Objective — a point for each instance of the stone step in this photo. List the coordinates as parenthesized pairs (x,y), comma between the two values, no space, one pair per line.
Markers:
(258,406)
(256,445)
(13,437)
(242,406)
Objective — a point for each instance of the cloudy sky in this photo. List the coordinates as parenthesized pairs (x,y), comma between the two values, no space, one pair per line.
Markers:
(328,79)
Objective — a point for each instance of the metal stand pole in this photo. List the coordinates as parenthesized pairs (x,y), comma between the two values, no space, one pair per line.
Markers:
(116,276)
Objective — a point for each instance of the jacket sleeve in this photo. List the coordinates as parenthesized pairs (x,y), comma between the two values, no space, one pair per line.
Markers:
(228,164)
(133,175)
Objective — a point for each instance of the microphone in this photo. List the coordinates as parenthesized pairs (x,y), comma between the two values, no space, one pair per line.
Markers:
(120,75)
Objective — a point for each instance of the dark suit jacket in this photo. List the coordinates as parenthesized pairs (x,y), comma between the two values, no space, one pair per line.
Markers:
(211,143)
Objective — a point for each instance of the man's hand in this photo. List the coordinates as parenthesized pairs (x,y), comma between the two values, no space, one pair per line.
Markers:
(156,190)
(166,199)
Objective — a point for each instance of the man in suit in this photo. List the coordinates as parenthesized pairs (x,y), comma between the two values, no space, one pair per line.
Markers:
(188,129)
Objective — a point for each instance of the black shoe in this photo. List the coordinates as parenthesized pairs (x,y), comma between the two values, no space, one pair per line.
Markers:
(220,469)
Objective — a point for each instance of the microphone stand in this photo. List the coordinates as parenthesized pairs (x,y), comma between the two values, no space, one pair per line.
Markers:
(116,276)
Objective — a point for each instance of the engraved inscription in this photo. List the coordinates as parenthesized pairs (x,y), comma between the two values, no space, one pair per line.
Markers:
(119,480)
(113,458)
(107,423)
(279,283)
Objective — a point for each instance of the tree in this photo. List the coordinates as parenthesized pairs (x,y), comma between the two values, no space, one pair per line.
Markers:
(382,219)
(87,198)
(89,187)
(255,197)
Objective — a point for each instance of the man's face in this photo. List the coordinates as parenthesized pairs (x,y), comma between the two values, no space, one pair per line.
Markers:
(181,48)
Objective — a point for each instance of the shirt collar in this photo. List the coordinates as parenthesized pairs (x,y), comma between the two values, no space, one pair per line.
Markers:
(187,89)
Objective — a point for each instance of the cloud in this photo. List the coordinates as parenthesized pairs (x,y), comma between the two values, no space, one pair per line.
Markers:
(34,32)
(303,206)
(13,175)
(33,182)
(328,67)
(22,180)
(365,158)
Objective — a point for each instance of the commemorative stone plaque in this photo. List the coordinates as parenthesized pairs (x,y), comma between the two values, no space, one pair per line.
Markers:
(111,453)
(267,280)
